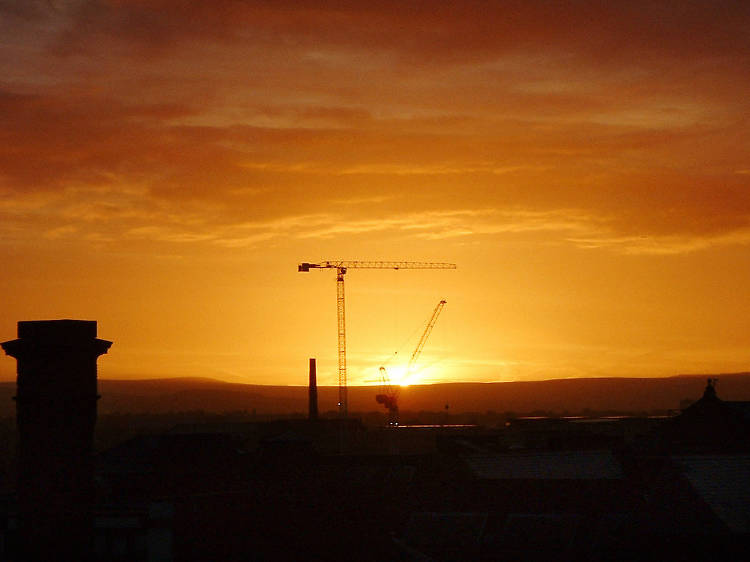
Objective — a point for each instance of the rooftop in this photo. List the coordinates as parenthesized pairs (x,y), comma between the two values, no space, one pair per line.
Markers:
(722,482)
(547,465)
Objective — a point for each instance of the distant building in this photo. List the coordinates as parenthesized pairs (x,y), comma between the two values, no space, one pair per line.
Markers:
(709,425)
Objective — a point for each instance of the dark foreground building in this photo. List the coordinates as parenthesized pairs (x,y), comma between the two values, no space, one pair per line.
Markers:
(55,415)
(674,488)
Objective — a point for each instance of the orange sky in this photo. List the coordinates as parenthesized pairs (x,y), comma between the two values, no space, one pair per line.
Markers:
(165,165)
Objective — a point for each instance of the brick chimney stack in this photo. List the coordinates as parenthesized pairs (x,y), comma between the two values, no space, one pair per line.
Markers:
(313,391)
(56,400)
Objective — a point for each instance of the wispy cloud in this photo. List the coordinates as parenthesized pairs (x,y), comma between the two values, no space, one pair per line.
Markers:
(431,122)
(663,245)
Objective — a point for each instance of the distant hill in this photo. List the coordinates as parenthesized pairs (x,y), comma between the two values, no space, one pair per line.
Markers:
(559,396)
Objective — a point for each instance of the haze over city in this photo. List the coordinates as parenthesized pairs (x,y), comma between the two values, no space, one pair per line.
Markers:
(165,165)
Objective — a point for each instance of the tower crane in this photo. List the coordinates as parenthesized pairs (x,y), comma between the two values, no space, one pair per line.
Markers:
(389,396)
(341,267)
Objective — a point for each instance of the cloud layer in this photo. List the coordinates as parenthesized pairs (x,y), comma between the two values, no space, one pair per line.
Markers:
(197,119)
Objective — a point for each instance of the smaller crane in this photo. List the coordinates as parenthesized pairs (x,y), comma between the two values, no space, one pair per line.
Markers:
(389,396)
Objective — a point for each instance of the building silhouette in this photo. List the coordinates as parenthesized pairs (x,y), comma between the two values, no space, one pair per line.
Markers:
(55,415)
(534,488)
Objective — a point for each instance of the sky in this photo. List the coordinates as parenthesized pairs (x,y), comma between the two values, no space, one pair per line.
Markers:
(165,165)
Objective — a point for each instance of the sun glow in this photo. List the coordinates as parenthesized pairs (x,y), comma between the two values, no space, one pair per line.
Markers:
(397,375)
(427,374)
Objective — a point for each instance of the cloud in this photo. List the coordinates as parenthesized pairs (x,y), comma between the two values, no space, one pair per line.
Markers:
(664,245)
(424,29)
(227,122)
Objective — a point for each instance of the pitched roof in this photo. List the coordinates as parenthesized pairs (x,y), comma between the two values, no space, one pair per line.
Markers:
(547,465)
(723,482)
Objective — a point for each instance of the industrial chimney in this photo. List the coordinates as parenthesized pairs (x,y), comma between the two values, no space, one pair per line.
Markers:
(56,399)
(313,391)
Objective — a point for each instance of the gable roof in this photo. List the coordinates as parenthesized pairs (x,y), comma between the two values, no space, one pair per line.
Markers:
(723,482)
(547,465)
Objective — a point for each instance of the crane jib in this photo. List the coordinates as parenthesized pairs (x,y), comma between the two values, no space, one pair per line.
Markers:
(354,264)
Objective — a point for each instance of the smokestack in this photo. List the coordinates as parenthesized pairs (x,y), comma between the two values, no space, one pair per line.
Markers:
(313,391)
(56,394)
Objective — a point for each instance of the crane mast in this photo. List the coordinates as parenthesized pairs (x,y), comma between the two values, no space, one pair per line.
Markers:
(341,324)
(341,266)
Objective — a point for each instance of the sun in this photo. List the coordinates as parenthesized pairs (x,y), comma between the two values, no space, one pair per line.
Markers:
(397,375)
(427,374)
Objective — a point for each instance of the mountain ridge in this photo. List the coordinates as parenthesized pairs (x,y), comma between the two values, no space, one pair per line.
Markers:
(618,394)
